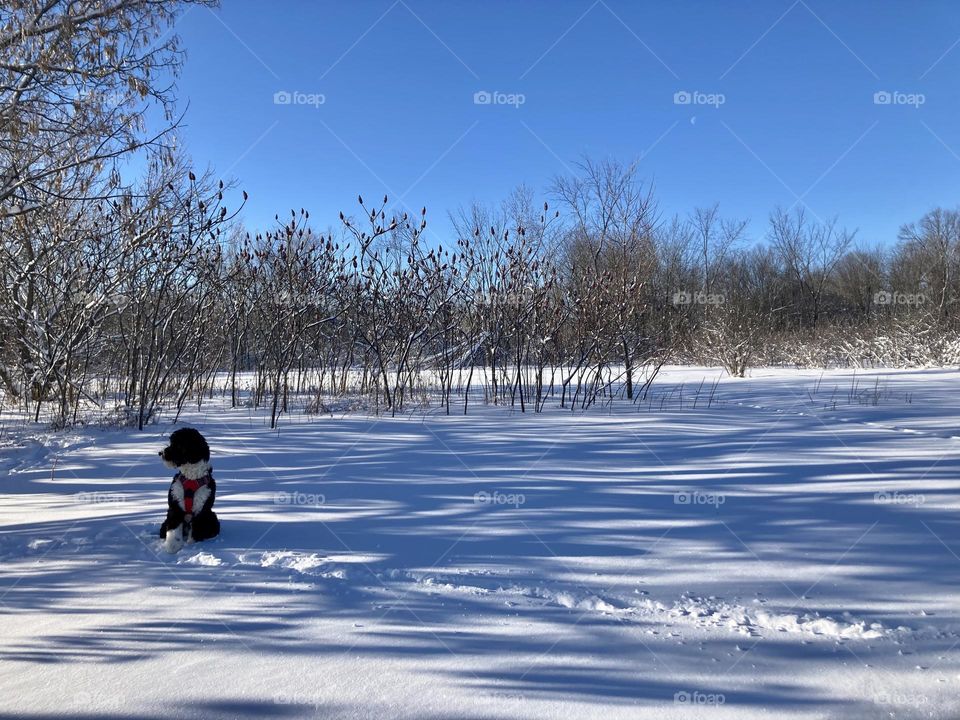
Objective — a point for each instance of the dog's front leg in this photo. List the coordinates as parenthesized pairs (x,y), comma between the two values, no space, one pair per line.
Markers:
(174,540)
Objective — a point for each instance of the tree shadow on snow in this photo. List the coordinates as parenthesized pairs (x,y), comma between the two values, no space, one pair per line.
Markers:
(403,501)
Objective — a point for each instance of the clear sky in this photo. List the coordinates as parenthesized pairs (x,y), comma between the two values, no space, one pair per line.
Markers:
(782,102)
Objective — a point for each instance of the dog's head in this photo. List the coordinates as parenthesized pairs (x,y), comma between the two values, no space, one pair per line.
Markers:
(187,449)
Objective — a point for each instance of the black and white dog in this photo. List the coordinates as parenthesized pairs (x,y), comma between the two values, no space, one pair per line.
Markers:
(190,515)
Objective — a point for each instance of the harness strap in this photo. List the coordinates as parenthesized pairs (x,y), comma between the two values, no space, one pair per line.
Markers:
(190,487)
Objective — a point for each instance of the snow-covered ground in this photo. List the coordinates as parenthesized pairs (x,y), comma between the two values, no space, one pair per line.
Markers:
(790,551)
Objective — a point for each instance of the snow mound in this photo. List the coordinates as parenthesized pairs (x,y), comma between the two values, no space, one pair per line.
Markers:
(201,558)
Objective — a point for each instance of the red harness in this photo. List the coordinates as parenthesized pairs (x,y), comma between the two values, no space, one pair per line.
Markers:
(189,488)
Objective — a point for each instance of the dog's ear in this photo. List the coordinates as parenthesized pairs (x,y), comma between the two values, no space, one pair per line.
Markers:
(203,447)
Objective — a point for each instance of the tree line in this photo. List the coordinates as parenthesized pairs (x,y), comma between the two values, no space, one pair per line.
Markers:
(141,291)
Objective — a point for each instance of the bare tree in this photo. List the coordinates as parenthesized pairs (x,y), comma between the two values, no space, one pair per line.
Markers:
(928,261)
(73,86)
(614,217)
(809,251)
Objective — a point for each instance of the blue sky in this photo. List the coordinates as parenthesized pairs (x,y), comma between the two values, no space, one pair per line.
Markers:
(797,81)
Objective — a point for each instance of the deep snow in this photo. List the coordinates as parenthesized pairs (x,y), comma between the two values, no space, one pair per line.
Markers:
(790,551)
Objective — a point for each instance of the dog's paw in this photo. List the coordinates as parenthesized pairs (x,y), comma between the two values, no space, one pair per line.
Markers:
(174,541)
